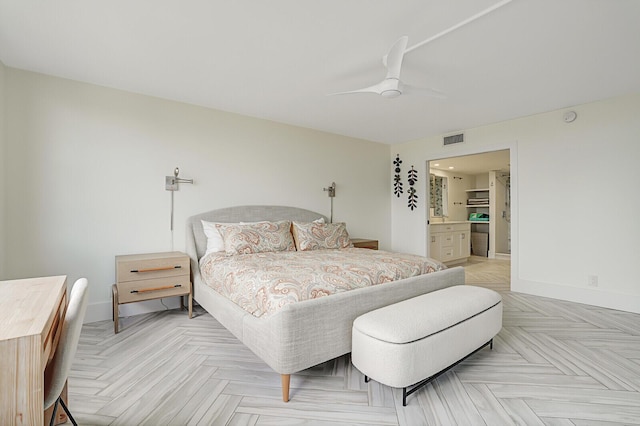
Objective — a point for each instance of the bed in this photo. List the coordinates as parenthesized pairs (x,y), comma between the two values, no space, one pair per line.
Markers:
(303,334)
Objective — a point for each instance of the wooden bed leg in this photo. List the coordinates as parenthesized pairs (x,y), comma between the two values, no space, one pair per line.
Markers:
(286,379)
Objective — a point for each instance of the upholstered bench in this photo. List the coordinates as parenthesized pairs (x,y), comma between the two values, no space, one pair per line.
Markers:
(409,343)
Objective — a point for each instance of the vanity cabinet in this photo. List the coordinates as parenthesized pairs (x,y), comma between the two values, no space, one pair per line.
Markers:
(450,241)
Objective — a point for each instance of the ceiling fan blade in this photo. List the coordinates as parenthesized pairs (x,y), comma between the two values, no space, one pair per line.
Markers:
(423,91)
(394,57)
(376,88)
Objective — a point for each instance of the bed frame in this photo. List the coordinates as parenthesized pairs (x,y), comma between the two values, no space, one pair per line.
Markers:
(302,334)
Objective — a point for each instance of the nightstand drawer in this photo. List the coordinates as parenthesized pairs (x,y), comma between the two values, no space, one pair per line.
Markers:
(141,267)
(365,243)
(136,291)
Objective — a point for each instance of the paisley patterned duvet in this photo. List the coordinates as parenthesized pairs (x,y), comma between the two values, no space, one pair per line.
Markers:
(262,283)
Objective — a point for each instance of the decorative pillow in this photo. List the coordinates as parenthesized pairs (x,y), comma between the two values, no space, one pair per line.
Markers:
(215,243)
(256,237)
(316,236)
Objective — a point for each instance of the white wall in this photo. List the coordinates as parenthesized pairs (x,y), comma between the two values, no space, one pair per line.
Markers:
(2,169)
(87,167)
(569,220)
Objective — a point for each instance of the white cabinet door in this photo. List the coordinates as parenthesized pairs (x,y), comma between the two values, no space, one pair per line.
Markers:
(463,245)
(434,247)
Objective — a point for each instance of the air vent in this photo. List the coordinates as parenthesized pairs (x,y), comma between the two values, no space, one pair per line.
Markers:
(450,140)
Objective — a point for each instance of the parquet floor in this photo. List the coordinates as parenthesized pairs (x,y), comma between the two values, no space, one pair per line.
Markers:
(553,363)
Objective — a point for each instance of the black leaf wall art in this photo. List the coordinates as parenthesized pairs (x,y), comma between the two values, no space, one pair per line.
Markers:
(397,185)
(413,198)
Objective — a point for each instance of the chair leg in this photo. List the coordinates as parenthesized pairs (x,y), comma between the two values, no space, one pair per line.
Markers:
(55,410)
(66,410)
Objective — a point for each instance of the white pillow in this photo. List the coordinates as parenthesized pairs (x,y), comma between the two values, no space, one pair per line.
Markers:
(215,243)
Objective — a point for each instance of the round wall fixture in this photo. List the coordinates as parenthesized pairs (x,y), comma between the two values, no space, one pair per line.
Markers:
(569,116)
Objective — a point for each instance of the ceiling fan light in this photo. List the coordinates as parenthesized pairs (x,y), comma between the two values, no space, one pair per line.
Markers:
(391,93)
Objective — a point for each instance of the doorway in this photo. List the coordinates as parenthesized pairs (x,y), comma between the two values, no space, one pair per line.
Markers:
(478,190)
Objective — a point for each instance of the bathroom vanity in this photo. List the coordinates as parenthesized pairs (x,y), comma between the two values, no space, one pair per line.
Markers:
(450,242)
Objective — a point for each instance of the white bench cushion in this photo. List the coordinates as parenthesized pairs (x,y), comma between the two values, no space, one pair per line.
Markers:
(424,315)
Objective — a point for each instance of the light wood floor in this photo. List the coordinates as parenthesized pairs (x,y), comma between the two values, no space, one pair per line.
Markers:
(553,363)
(490,273)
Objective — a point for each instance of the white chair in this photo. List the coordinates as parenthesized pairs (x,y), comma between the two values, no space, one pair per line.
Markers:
(58,370)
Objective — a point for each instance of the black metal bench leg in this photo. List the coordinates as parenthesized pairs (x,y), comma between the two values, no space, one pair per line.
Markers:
(422,383)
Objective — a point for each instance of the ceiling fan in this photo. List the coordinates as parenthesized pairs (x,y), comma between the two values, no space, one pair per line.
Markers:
(392,86)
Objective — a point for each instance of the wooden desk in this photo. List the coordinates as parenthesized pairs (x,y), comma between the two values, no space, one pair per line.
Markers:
(31,314)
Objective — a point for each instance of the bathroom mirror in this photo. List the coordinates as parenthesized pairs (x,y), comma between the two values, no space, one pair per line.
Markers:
(439,196)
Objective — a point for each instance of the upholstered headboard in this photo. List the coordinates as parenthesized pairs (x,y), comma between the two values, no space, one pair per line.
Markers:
(197,241)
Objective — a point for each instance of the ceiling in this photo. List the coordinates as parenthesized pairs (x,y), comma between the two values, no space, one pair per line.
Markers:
(279,59)
(475,164)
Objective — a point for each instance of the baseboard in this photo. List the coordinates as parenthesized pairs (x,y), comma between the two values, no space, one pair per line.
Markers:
(101,311)
(587,296)
(503,256)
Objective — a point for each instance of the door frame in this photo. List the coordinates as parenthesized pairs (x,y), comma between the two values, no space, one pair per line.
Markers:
(513,165)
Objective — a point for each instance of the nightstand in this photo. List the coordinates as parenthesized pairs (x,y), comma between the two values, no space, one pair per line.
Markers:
(365,243)
(151,276)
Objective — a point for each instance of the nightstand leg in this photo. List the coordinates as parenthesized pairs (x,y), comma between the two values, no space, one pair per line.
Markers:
(116,305)
(182,303)
(190,305)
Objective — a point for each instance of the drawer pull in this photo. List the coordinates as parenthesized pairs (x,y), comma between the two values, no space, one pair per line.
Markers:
(145,290)
(165,268)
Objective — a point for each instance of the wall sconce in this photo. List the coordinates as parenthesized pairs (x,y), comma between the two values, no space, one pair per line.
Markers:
(171,184)
(331,189)
(332,193)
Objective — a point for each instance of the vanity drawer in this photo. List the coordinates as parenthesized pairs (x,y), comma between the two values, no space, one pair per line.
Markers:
(144,267)
(448,227)
(447,253)
(446,240)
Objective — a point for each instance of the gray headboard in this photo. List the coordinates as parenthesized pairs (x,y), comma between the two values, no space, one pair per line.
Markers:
(197,241)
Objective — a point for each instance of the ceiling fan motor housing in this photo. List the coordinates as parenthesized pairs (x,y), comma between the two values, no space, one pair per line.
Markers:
(390,88)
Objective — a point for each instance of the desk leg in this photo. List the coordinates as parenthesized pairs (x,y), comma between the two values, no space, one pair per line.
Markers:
(116,310)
